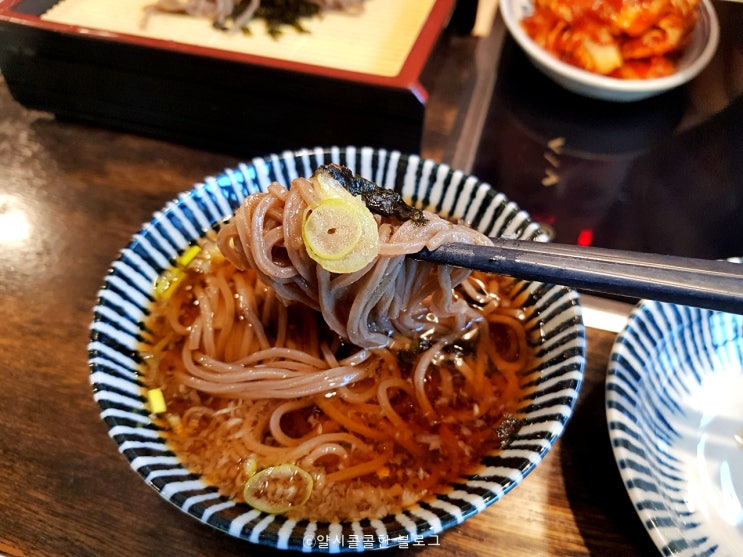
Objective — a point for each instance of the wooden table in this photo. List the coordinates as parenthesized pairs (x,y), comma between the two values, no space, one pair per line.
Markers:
(64,488)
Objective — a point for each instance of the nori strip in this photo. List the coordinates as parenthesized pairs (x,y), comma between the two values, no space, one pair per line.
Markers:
(378,199)
(275,13)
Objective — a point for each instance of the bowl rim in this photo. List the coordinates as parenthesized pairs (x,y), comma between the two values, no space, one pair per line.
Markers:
(708,21)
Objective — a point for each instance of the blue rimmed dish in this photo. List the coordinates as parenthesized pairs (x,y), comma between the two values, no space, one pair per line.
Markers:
(554,324)
(674,406)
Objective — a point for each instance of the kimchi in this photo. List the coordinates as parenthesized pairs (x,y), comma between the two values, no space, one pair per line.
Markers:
(628,39)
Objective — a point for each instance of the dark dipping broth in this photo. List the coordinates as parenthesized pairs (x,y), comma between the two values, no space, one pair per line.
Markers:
(396,425)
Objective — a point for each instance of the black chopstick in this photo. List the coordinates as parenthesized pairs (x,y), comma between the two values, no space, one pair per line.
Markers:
(710,284)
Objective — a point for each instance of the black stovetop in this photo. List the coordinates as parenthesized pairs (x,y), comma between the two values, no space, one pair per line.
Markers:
(663,175)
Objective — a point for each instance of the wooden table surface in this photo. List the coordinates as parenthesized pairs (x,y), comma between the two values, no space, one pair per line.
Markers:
(65,489)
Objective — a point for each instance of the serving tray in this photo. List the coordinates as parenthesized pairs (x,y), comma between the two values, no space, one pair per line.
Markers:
(234,100)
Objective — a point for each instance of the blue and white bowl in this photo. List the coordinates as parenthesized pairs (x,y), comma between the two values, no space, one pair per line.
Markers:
(674,405)
(554,325)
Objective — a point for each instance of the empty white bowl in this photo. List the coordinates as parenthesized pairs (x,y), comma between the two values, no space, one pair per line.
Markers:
(696,56)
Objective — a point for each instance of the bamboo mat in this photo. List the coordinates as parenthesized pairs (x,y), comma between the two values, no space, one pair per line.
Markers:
(377,41)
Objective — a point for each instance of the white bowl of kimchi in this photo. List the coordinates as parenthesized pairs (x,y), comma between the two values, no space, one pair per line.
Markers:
(616,51)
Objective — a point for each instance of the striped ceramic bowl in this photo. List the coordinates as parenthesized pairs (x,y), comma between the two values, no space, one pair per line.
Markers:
(674,405)
(554,324)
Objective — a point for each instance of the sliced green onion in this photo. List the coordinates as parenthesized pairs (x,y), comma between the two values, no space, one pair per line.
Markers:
(278,488)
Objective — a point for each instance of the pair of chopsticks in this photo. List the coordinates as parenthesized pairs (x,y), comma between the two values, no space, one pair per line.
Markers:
(710,284)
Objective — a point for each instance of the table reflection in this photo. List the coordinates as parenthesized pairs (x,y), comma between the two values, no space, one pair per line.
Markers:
(15,225)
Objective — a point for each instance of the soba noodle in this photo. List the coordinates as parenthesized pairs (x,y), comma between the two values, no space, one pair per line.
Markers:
(384,384)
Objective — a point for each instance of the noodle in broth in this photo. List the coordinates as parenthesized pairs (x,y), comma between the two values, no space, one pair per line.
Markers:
(384,384)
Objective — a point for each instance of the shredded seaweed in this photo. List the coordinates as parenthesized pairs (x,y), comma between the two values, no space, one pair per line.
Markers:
(407,357)
(508,428)
(275,13)
(378,199)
